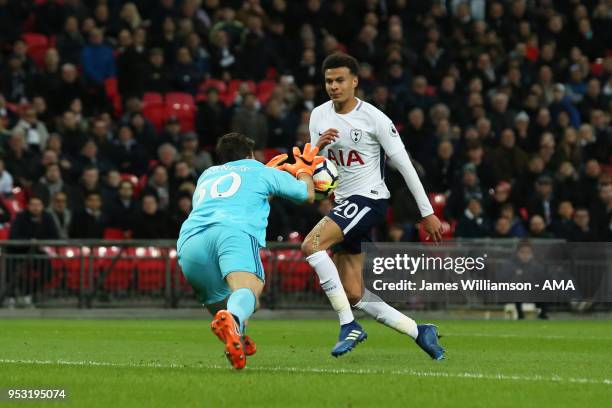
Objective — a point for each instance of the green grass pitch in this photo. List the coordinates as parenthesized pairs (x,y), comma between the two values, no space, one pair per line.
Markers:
(165,363)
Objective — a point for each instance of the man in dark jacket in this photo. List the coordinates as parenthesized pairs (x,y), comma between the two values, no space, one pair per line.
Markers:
(32,223)
(90,221)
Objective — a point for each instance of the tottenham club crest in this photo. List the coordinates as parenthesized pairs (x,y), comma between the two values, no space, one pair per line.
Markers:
(356,135)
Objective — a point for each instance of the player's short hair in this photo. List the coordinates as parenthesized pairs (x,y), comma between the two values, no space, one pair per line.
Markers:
(234,146)
(340,60)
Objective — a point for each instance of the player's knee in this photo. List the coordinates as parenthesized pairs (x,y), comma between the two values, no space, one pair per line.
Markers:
(307,247)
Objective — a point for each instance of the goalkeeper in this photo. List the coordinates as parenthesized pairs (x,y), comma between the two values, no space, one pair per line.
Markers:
(218,245)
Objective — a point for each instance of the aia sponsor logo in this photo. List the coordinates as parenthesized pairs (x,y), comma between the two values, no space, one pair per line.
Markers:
(341,158)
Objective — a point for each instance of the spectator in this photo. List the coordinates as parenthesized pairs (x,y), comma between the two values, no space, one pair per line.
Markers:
(61,214)
(91,221)
(211,118)
(123,209)
(156,76)
(537,228)
(248,120)
(584,232)
(151,222)
(70,42)
(50,184)
(180,213)
(472,223)
(509,160)
(21,163)
(6,180)
(127,154)
(33,223)
(543,203)
(159,185)
(601,212)
(97,59)
(35,132)
(564,227)
(469,189)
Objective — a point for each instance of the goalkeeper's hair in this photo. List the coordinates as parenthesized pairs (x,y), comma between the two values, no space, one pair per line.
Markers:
(234,146)
(340,60)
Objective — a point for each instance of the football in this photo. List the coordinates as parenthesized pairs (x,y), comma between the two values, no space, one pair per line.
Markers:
(325,179)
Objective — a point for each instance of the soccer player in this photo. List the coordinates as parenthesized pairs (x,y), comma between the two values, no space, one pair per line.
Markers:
(356,136)
(218,245)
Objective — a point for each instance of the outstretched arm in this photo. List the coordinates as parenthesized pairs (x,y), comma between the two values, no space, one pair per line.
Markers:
(401,161)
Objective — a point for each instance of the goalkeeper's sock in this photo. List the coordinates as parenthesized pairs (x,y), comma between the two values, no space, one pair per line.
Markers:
(385,314)
(241,304)
(330,282)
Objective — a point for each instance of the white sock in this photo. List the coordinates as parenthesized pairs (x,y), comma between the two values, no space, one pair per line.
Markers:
(330,282)
(385,314)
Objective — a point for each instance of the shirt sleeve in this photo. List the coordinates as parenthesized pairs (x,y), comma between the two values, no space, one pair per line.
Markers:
(314,135)
(401,161)
(388,136)
(283,184)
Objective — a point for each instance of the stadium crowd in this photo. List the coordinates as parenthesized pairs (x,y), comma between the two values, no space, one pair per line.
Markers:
(109,110)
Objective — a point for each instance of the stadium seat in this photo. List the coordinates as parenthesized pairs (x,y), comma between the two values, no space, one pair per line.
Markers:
(111,87)
(114,233)
(216,83)
(70,261)
(294,273)
(182,105)
(5,231)
(35,39)
(152,98)
(265,89)
(156,113)
(38,53)
(116,265)
(151,266)
(13,206)
(20,195)
(438,202)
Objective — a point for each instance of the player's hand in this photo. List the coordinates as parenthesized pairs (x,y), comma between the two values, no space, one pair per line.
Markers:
(277,160)
(327,137)
(305,162)
(433,227)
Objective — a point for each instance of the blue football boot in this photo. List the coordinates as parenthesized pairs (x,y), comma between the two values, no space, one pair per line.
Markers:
(351,334)
(428,341)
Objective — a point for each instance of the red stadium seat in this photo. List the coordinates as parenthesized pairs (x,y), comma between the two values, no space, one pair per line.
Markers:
(70,260)
(156,113)
(20,195)
(35,39)
(265,89)
(38,53)
(270,153)
(294,272)
(111,87)
(216,83)
(151,267)
(114,233)
(438,202)
(182,105)
(117,266)
(152,98)
(5,231)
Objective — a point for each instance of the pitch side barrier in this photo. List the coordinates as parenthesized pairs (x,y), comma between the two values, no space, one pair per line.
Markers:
(133,273)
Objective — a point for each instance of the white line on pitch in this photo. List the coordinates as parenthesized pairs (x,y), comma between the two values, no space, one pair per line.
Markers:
(535,336)
(310,370)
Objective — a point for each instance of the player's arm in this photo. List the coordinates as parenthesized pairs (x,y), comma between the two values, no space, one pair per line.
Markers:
(323,139)
(389,139)
(285,185)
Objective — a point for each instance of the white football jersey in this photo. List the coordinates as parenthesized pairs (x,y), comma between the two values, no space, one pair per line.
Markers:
(365,135)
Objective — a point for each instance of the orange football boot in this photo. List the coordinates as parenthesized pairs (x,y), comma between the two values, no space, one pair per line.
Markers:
(249,345)
(225,328)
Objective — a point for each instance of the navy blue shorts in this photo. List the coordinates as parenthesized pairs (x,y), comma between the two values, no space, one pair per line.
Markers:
(356,216)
